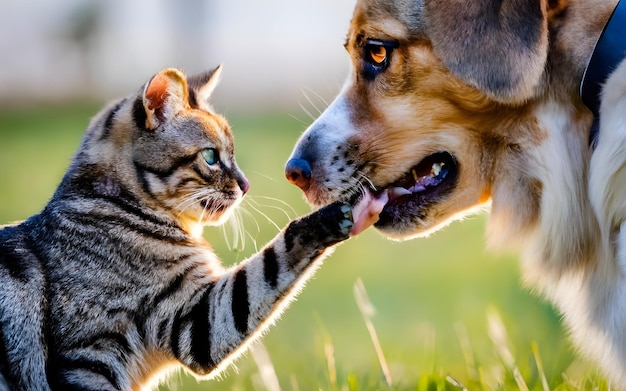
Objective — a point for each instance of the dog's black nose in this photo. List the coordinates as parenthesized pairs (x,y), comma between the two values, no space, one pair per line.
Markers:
(298,172)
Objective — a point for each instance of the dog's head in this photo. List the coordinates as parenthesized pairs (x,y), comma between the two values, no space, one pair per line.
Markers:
(439,93)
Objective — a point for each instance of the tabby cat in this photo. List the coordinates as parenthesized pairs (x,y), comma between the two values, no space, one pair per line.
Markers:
(112,282)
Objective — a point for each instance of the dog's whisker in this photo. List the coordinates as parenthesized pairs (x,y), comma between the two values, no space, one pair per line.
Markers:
(308,98)
(318,96)
(306,111)
(303,122)
(364,177)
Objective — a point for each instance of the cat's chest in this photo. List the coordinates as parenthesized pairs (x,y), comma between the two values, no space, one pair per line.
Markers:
(119,292)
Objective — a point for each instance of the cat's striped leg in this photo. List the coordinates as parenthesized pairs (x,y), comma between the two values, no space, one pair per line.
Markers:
(248,297)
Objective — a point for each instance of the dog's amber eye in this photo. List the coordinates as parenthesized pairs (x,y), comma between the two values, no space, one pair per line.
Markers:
(378,54)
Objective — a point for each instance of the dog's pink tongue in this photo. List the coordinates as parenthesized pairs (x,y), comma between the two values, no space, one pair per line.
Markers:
(366,211)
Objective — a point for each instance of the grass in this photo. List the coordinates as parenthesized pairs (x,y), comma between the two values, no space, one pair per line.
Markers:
(438,313)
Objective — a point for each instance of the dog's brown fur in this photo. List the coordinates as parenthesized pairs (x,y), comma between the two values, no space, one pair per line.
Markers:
(495,85)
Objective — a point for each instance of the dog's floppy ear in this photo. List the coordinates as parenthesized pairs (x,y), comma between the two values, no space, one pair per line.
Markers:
(497,46)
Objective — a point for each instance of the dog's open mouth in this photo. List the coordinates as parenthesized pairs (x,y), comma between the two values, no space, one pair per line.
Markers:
(427,176)
(423,185)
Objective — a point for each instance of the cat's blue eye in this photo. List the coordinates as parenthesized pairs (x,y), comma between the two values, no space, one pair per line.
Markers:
(210,155)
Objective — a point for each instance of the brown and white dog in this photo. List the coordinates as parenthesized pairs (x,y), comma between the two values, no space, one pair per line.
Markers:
(456,105)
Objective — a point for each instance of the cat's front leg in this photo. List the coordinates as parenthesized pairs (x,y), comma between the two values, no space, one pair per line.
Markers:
(250,296)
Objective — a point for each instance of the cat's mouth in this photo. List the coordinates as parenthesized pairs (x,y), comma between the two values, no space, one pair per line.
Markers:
(215,211)
(212,206)
(215,207)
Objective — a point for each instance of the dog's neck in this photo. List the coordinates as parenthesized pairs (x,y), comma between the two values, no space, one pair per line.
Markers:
(609,51)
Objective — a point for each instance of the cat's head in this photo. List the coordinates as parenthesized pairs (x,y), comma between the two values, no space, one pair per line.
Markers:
(167,147)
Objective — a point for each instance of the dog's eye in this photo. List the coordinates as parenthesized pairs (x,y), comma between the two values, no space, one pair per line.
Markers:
(376,56)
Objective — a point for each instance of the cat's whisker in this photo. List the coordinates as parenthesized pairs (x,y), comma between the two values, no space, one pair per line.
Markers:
(262,175)
(240,228)
(198,196)
(234,233)
(269,219)
(243,211)
(190,199)
(284,203)
(254,242)
(185,203)
(201,218)
(212,205)
(259,206)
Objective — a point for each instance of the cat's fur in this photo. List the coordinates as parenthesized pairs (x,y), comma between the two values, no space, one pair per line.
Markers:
(112,282)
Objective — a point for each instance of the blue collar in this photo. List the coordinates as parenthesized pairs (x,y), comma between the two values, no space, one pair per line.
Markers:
(610,50)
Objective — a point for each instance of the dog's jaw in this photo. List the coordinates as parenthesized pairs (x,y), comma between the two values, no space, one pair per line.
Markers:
(346,154)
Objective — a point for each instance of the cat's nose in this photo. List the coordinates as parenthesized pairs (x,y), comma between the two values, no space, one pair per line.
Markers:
(244,185)
(298,172)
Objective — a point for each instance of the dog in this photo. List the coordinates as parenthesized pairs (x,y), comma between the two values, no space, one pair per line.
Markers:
(457,106)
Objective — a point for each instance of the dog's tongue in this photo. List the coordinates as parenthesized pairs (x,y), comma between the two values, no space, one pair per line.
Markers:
(366,211)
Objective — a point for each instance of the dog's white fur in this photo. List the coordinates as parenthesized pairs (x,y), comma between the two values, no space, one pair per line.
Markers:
(594,305)
(569,225)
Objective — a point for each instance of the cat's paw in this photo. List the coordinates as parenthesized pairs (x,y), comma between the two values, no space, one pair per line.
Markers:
(337,221)
(337,218)
(346,224)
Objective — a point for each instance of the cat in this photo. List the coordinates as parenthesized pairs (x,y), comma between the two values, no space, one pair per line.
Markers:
(112,283)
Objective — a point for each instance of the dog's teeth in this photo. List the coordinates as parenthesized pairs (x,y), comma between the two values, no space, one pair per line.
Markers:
(436,168)
(415,177)
(417,188)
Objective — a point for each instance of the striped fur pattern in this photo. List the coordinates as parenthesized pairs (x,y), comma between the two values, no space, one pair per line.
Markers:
(112,283)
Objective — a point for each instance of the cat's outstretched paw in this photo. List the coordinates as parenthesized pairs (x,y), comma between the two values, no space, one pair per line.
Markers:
(339,220)
(346,224)
(337,217)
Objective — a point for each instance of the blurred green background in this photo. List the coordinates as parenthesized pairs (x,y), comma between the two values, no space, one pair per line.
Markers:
(431,296)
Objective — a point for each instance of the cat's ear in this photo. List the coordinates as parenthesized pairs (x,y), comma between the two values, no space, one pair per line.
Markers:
(202,85)
(165,95)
